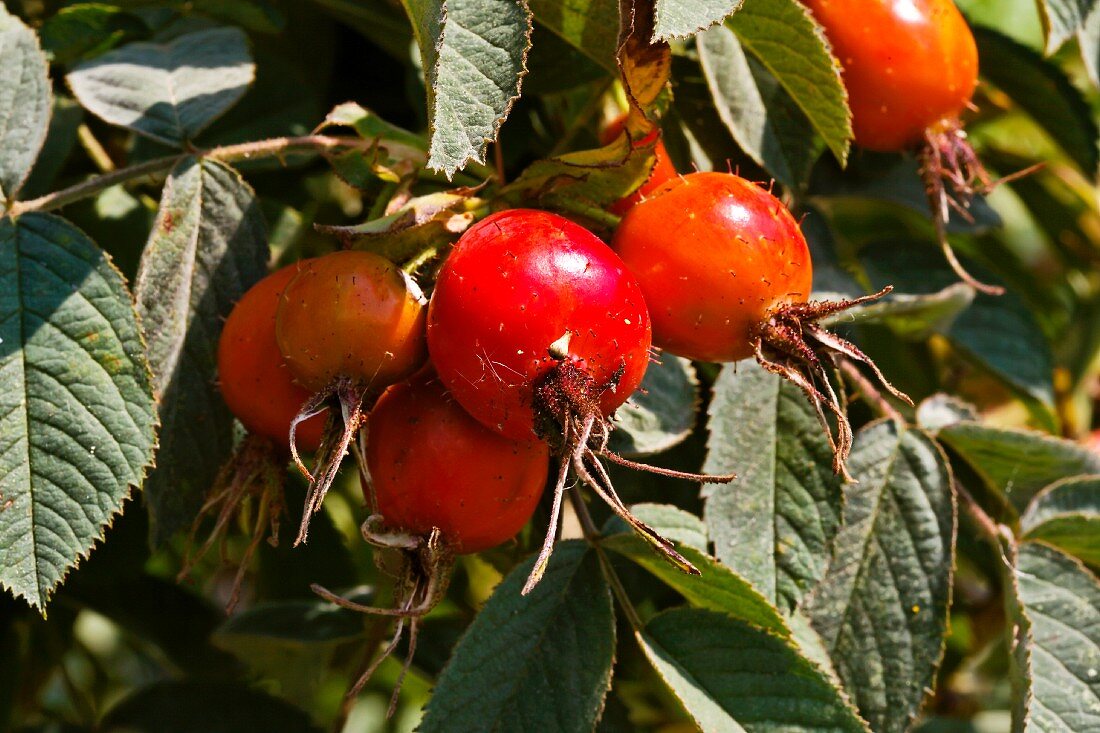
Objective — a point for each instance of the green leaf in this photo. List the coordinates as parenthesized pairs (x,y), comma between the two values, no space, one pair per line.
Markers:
(1088,38)
(881,609)
(86,30)
(24,103)
(1062,19)
(1060,603)
(168,92)
(999,333)
(1017,463)
(540,662)
(912,317)
(206,249)
(76,404)
(671,522)
(776,522)
(941,409)
(474,56)
(1066,514)
(395,154)
(291,641)
(61,138)
(255,15)
(1042,90)
(211,707)
(783,35)
(591,26)
(717,588)
(732,676)
(739,101)
(678,18)
(661,414)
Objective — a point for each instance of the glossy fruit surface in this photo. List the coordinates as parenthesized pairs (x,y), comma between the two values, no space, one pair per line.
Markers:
(908,64)
(663,170)
(255,381)
(714,255)
(432,465)
(515,284)
(351,314)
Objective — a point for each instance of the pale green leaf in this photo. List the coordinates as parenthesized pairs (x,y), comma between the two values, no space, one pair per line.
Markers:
(168,92)
(1017,462)
(76,405)
(731,676)
(24,103)
(1059,601)
(1066,514)
(206,249)
(881,609)
(474,55)
(776,522)
(540,662)
(678,18)
(787,41)
(1062,19)
(661,414)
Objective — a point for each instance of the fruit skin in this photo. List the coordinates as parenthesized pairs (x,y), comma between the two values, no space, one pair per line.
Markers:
(355,315)
(254,379)
(714,254)
(907,65)
(432,465)
(516,283)
(663,169)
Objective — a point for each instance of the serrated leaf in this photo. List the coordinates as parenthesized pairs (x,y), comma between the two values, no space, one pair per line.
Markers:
(881,608)
(717,588)
(1017,463)
(739,101)
(291,641)
(591,26)
(1042,90)
(999,333)
(787,41)
(86,30)
(474,56)
(211,707)
(671,522)
(24,103)
(76,404)
(776,522)
(1062,19)
(168,92)
(537,662)
(661,414)
(205,250)
(731,676)
(678,18)
(1066,514)
(1059,643)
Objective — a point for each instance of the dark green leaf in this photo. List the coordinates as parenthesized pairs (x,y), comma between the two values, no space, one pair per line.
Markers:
(793,48)
(60,141)
(1066,514)
(474,56)
(24,102)
(168,92)
(592,26)
(1059,643)
(86,30)
(731,676)
(540,662)
(678,18)
(717,588)
(1017,462)
(881,609)
(776,522)
(661,414)
(255,15)
(211,707)
(1042,90)
(206,248)
(76,403)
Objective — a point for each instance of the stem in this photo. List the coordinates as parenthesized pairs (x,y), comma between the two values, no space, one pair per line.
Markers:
(592,534)
(95,149)
(272,148)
